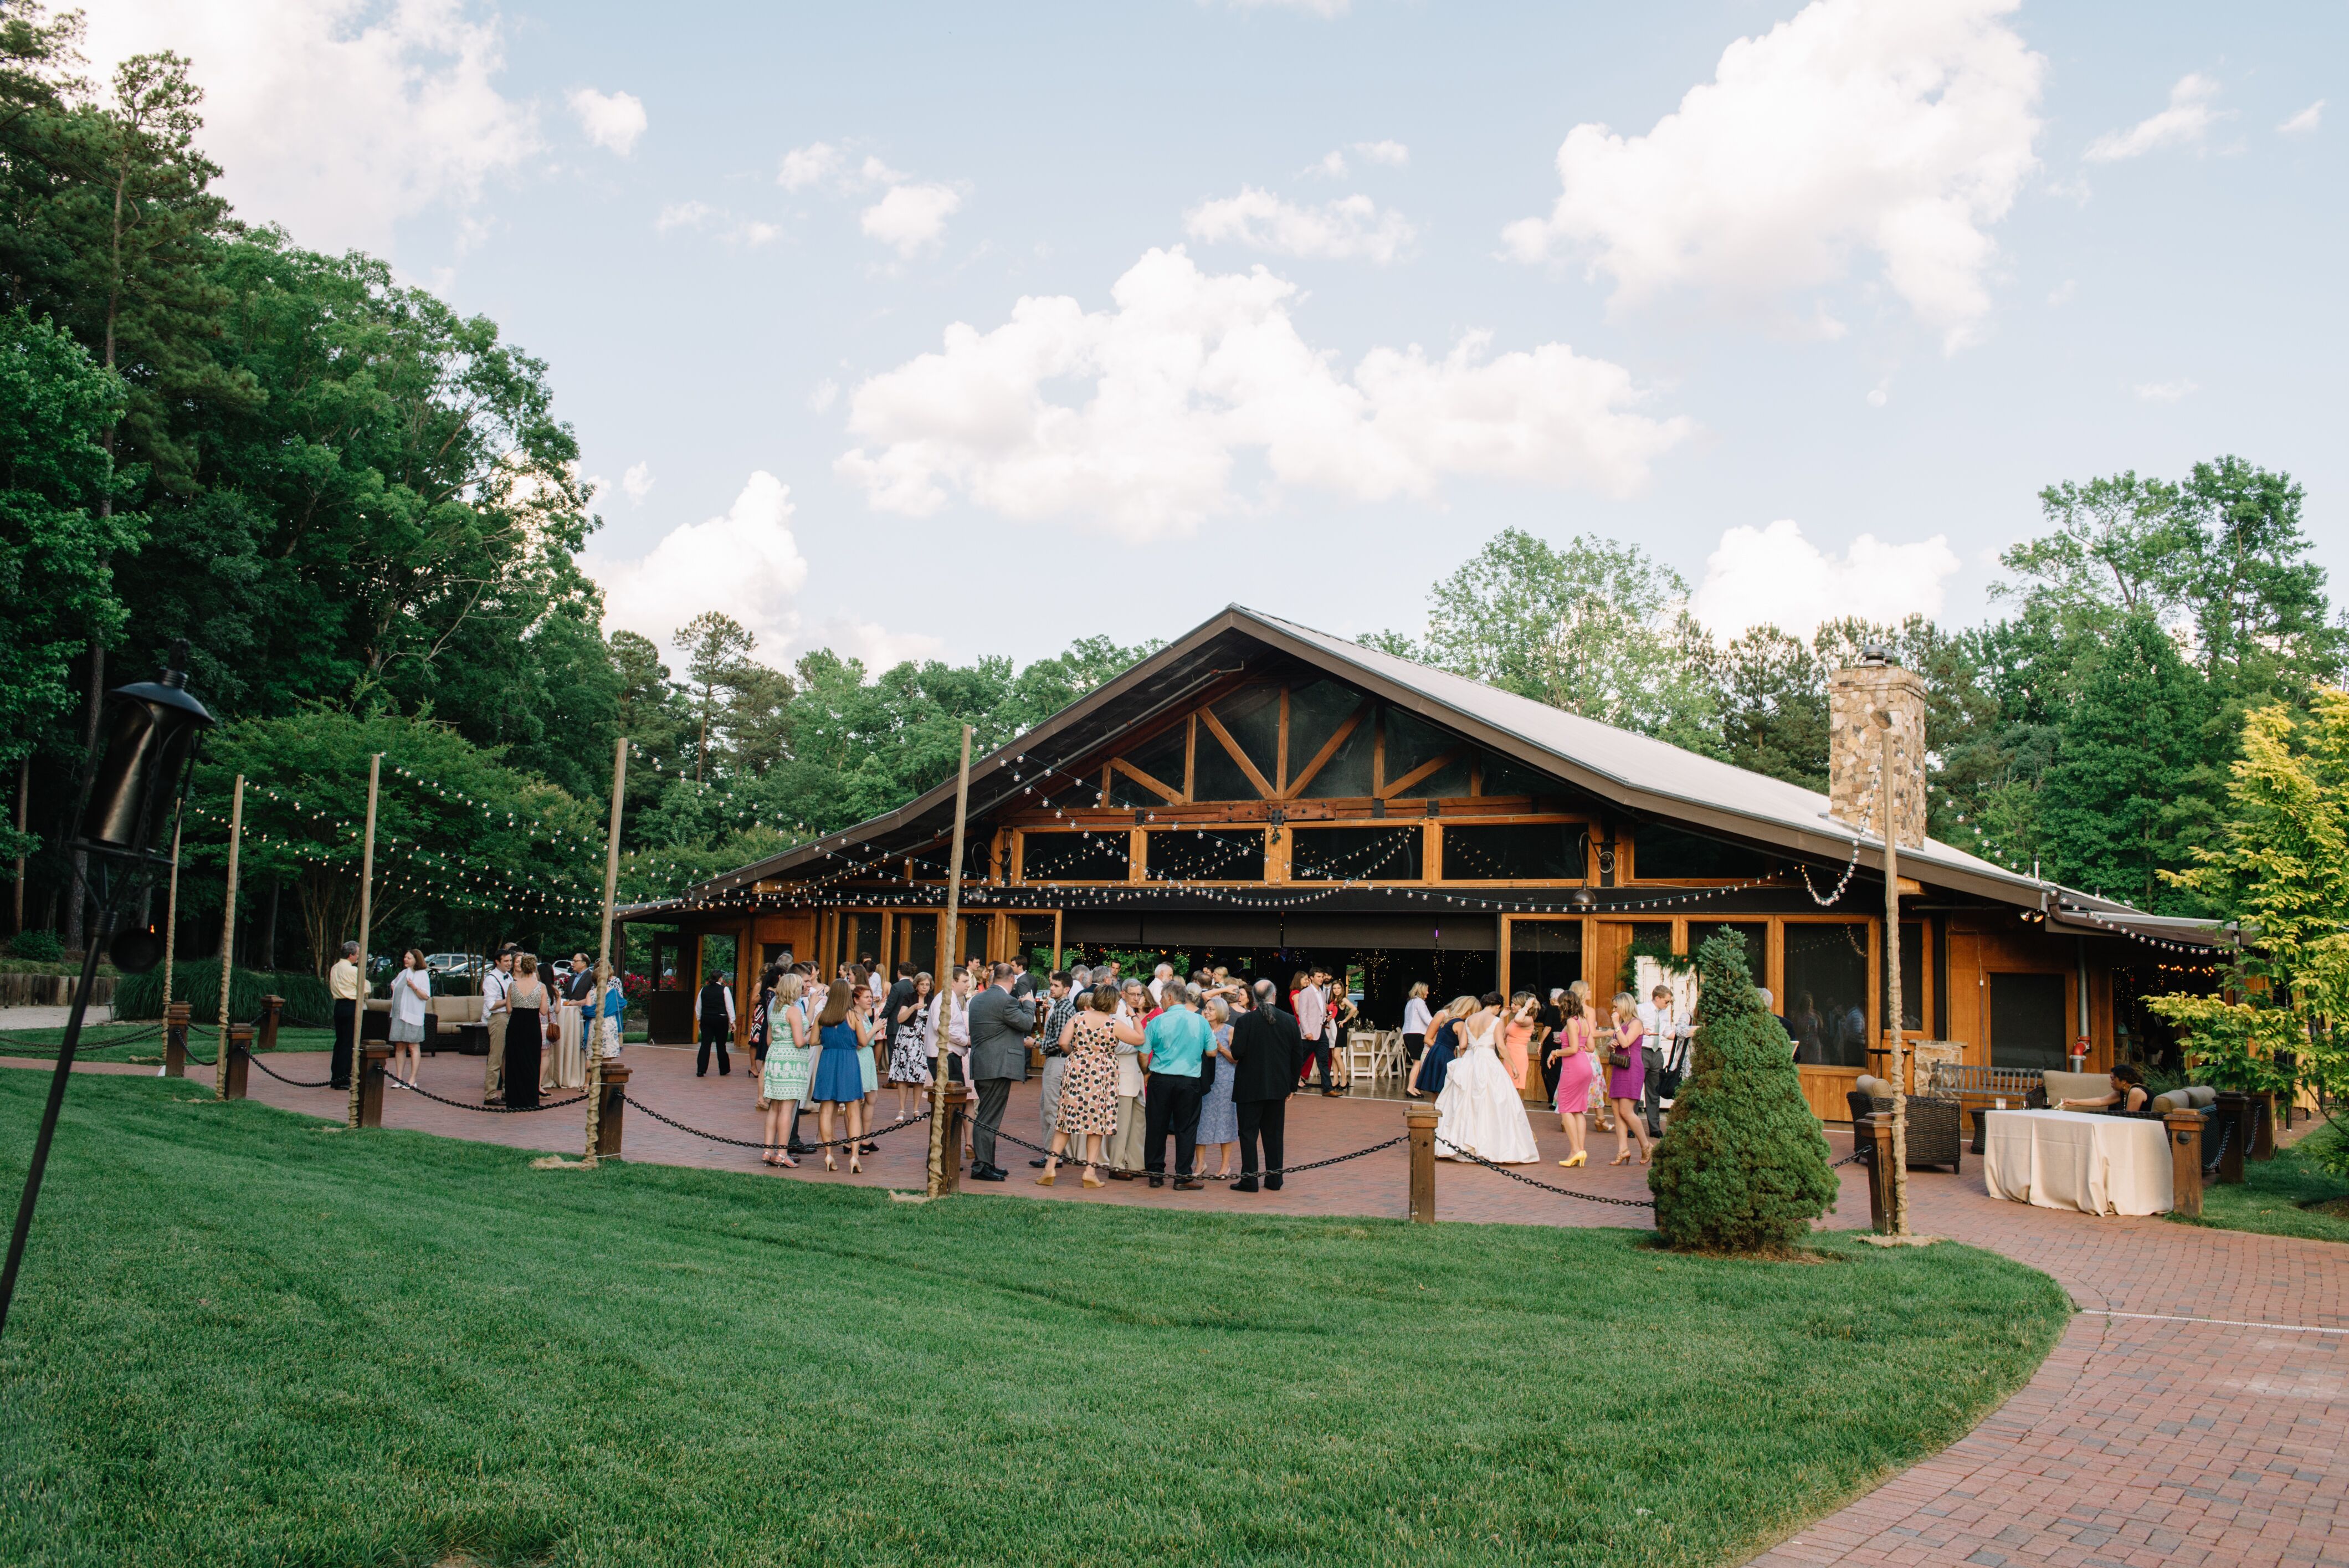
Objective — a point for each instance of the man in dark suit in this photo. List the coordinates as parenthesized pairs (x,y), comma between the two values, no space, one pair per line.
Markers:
(1268,1054)
(717,1025)
(1000,1026)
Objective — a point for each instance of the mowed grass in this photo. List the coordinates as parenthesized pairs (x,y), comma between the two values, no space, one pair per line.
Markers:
(2275,1194)
(102,1041)
(243,1338)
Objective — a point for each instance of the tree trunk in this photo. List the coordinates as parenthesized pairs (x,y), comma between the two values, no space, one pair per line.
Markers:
(91,703)
(24,804)
(269,927)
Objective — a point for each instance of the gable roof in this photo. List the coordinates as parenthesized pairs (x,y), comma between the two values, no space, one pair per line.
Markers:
(1637,773)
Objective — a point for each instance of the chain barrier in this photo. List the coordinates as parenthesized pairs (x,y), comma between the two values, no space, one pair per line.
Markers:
(1285,1171)
(294,1083)
(1471,1156)
(85,1046)
(487,1110)
(762,1145)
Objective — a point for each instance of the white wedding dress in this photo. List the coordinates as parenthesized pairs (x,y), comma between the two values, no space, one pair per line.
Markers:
(1480,1110)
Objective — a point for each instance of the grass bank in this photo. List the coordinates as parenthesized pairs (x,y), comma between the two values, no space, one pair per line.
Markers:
(245,1338)
(2275,1195)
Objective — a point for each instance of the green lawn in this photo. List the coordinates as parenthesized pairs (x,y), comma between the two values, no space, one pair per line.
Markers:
(136,1042)
(246,1338)
(2272,1193)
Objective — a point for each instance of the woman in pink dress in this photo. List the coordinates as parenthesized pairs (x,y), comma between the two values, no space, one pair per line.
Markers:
(1517,1037)
(1626,1084)
(1577,1072)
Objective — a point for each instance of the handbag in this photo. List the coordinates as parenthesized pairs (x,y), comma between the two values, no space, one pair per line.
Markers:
(1618,1060)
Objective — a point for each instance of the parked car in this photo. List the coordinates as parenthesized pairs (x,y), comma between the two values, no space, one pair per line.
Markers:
(459,964)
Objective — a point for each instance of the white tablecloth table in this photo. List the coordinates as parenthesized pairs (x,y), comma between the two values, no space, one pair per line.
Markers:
(2075,1159)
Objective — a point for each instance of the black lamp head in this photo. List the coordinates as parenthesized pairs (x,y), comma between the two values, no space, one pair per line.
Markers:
(136,949)
(151,730)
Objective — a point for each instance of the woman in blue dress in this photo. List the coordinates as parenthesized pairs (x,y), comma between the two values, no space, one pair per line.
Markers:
(1435,1062)
(842,1034)
(1219,1120)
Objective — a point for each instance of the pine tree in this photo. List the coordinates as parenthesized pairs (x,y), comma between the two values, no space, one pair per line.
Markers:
(1743,1165)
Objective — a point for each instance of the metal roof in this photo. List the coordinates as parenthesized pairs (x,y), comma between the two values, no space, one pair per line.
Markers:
(1637,773)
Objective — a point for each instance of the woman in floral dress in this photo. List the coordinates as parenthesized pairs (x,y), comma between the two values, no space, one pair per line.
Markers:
(909,1043)
(1089,1089)
(790,1058)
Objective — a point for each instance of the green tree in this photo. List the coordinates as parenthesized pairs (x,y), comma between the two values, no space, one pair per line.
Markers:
(717,648)
(2126,798)
(1743,1167)
(57,541)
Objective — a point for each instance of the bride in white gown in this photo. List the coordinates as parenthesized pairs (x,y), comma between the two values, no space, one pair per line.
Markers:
(1479,1107)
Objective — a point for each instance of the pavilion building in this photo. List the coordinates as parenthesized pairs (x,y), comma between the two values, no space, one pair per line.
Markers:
(1264,797)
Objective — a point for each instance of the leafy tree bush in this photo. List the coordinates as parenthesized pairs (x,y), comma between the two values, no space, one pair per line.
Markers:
(38,945)
(197,983)
(1743,1165)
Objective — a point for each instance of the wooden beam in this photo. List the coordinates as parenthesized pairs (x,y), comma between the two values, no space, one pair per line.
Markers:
(1173,796)
(1329,749)
(1425,770)
(1190,755)
(1281,748)
(1378,760)
(1263,787)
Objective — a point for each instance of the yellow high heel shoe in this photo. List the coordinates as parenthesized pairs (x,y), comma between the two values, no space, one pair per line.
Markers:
(1571,1161)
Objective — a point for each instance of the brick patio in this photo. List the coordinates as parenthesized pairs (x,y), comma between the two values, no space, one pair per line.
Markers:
(2144,1439)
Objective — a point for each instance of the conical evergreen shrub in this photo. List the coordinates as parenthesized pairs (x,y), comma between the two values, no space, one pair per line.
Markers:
(1743,1166)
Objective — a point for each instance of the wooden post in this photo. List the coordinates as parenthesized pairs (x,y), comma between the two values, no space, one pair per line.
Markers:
(369,1078)
(2185,1130)
(170,932)
(2234,1120)
(946,1159)
(610,1085)
(1897,1180)
(948,1122)
(235,1059)
(1874,1134)
(1420,1122)
(2262,1131)
(228,940)
(595,1045)
(367,913)
(270,1008)
(175,1037)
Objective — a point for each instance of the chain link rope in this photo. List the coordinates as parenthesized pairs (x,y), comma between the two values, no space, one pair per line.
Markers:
(1285,1171)
(469,1106)
(762,1144)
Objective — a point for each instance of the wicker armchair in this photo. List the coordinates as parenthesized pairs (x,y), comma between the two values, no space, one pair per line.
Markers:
(1936,1126)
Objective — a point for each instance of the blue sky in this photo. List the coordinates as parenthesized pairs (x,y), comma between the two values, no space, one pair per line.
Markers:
(1873,275)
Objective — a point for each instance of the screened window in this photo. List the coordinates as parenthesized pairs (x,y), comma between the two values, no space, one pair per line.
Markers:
(1756,934)
(1252,715)
(1076,856)
(1668,854)
(1513,851)
(1356,854)
(1125,790)
(1161,757)
(1504,777)
(1825,1004)
(1347,775)
(1214,776)
(2026,1020)
(1192,854)
(1036,942)
(1544,955)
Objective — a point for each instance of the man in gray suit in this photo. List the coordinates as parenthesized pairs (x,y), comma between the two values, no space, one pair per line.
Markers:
(1000,1026)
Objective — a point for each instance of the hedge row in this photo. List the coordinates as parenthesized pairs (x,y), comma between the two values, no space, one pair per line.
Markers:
(307,999)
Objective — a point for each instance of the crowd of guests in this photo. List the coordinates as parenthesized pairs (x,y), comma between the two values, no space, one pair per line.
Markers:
(522,1010)
(1131,1065)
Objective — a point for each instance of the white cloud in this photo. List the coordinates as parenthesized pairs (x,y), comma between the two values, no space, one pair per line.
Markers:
(638,481)
(879,647)
(1773,576)
(744,563)
(1189,372)
(873,172)
(2064,293)
(911,218)
(804,166)
(612,120)
(336,118)
(1902,129)
(2184,122)
(826,393)
(701,216)
(2305,122)
(1347,229)
(1879,394)
(1332,164)
(1394,155)
(684,215)
(2176,389)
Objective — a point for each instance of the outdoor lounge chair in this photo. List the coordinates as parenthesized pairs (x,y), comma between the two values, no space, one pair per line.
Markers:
(1935,1134)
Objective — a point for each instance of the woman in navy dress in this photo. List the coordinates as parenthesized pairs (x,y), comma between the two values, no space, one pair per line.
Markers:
(1435,1062)
(841,1034)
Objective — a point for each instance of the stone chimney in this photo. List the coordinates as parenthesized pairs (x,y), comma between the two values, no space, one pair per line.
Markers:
(1856,747)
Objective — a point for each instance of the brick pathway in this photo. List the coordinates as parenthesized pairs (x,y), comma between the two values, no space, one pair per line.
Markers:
(2142,1440)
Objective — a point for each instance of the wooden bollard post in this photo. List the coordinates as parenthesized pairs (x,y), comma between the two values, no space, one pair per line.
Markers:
(371,1086)
(1420,1121)
(1876,1134)
(175,1039)
(951,1107)
(615,1102)
(236,1055)
(270,1008)
(2263,1115)
(2235,1116)
(2185,1130)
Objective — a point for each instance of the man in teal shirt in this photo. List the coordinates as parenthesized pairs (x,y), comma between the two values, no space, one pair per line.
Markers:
(1173,1046)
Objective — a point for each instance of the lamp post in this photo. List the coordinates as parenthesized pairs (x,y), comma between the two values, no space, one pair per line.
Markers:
(151,730)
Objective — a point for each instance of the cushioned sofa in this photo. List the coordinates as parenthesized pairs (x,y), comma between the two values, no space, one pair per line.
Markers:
(1934,1137)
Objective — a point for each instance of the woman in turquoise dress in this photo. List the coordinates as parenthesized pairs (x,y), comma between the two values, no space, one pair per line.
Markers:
(790,1060)
(843,1036)
(870,1032)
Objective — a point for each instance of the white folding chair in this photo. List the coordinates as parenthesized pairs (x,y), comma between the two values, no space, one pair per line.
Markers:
(1363,1056)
